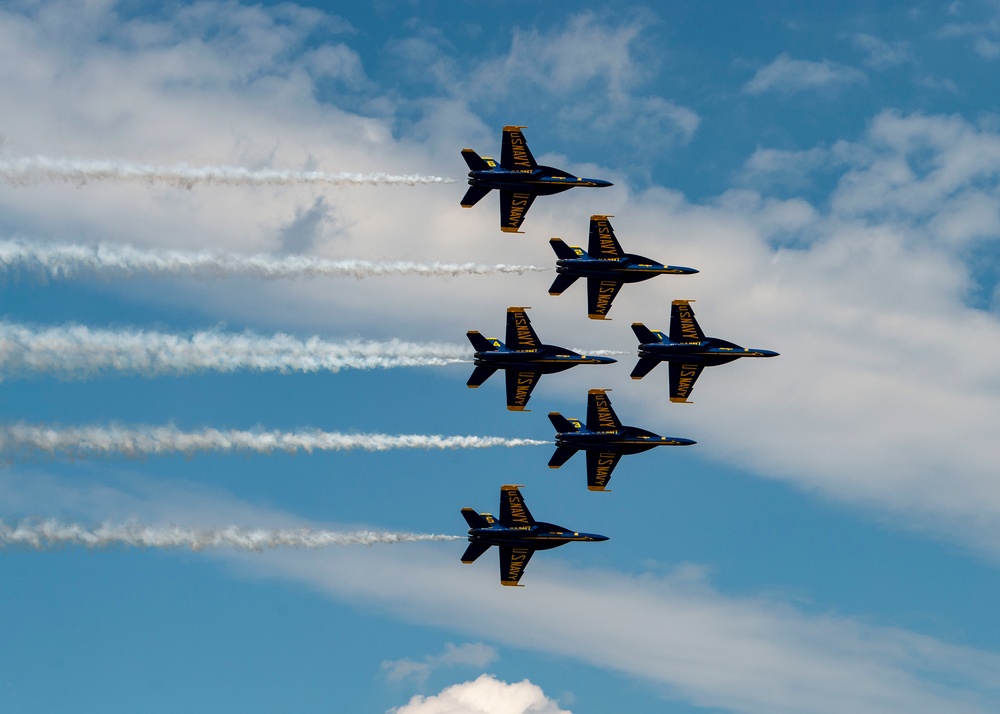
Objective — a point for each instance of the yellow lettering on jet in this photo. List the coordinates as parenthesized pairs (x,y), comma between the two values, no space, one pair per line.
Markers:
(517,208)
(602,473)
(604,294)
(606,238)
(517,512)
(688,328)
(518,150)
(604,415)
(524,336)
(518,557)
(686,379)
(524,382)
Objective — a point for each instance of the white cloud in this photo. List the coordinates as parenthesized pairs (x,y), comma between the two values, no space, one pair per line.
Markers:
(589,65)
(485,695)
(881,54)
(787,75)
(470,654)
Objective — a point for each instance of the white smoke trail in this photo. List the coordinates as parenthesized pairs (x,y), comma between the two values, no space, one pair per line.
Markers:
(51,534)
(602,353)
(76,351)
(35,169)
(67,260)
(83,441)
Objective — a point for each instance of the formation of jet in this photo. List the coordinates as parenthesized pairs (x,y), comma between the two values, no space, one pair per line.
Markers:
(604,438)
(523,358)
(519,178)
(686,348)
(605,266)
(517,534)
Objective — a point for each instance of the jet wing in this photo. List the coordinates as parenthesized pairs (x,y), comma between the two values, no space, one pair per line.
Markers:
(513,511)
(520,334)
(600,464)
(603,243)
(682,379)
(519,386)
(683,326)
(513,561)
(600,293)
(514,152)
(514,207)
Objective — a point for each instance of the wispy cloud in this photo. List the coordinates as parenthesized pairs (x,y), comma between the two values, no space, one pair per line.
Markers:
(470,654)
(786,76)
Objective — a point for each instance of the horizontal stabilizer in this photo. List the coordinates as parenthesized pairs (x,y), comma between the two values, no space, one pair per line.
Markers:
(474,551)
(474,195)
(479,375)
(563,251)
(480,343)
(475,161)
(561,283)
(561,456)
(643,367)
(562,424)
(645,335)
(474,519)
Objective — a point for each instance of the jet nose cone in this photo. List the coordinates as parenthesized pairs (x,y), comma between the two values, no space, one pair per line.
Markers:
(766,353)
(595,537)
(678,441)
(687,271)
(599,183)
(604,360)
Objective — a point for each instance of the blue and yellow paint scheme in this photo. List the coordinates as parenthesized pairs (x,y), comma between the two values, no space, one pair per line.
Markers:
(518,178)
(516,534)
(687,349)
(523,358)
(605,266)
(604,438)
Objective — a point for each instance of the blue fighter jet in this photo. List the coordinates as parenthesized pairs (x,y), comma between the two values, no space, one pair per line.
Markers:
(605,266)
(686,349)
(603,438)
(523,358)
(518,535)
(519,178)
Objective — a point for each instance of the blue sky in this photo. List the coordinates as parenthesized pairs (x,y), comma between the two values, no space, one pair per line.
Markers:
(829,545)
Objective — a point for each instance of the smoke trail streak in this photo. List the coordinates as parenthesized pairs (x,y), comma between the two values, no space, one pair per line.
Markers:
(76,351)
(49,534)
(602,353)
(83,441)
(35,169)
(67,260)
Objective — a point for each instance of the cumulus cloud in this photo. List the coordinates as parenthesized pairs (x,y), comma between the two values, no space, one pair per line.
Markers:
(485,695)
(786,75)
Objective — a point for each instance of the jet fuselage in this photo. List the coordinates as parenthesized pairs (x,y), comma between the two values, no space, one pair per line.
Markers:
(627,440)
(546,360)
(542,181)
(628,269)
(708,352)
(540,536)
